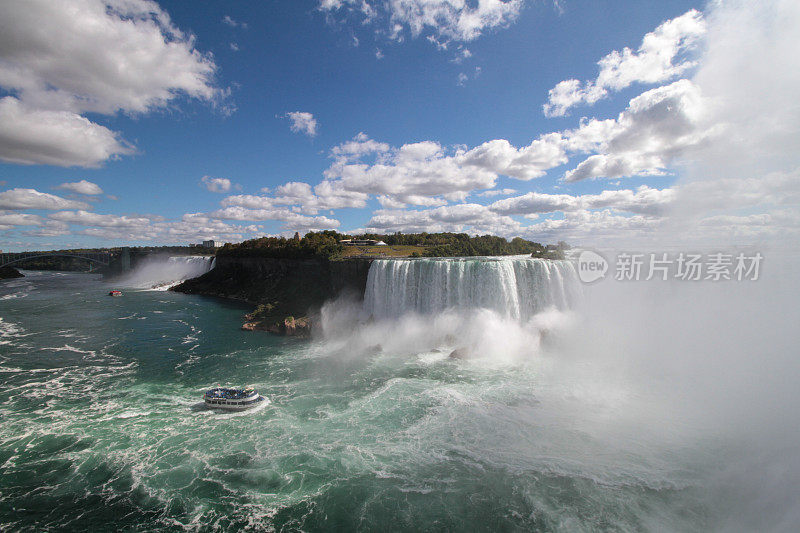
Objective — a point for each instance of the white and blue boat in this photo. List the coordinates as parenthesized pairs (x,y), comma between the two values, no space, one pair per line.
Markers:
(231,399)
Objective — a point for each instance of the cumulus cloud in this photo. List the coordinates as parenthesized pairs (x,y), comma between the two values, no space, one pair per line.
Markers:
(192,227)
(496,192)
(218,185)
(36,136)
(426,173)
(597,219)
(662,55)
(474,218)
(744,186)
(658,127)
(9,220)
(18,199)
(48,228)
(441,20)
(302,122)
(636,211)
(82,187)
(291,219)
(61,60)
(525,163)
(87,218)
(360,146)
(324,196)
(415,173)
(644,200)
(594,228)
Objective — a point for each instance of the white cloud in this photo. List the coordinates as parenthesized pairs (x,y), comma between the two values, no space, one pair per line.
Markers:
(360,146)
(617,166)
(67,56)
(219,185)
(48,228)
(86,218)
(644,200)
(461,55)
(658,127)
(633,212)
(426,173)
(441,20)
(324,196)
(525,163)
(192,227)
(18,199)
(60,60)
(496,192)
(8,220)
(292,221)
(593,228)
(415,173)
(229,21)
(302,122)
(474,218)
(82,187)
(36,136)
(661,56)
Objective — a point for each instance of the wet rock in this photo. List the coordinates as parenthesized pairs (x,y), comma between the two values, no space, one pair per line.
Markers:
(290,326)
(460,353)
(8,272)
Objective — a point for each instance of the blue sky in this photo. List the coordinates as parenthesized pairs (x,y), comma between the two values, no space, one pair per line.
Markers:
(427,116)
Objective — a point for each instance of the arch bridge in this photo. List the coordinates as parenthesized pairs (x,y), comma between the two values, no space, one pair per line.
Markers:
(102,258)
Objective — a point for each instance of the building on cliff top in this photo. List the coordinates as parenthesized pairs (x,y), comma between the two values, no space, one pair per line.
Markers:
(362,242)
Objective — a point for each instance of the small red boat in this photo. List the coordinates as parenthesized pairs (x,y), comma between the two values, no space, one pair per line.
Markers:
(115,293)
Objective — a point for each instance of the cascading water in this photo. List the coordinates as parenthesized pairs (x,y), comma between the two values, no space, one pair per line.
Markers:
(160,272)
(514,287)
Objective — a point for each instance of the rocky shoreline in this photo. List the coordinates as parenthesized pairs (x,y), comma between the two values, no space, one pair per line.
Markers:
(287,293)
(8,272)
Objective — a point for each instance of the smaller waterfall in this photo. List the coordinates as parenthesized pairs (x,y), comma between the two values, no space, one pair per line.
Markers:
(161,273)
(514,287)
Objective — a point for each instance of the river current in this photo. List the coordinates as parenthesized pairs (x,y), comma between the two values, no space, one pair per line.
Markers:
(371,425)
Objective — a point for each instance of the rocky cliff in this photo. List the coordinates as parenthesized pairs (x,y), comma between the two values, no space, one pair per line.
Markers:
(286,292)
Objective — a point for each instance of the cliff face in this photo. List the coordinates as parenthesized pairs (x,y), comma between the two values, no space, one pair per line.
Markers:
(280,288)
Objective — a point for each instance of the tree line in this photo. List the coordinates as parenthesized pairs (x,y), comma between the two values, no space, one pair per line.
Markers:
(327,245)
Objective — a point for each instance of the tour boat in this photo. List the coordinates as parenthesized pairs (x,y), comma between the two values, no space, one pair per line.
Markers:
(232,399)
(115,293)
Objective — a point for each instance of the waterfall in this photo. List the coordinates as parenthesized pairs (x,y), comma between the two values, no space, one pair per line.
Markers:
(161,272)
(514,287)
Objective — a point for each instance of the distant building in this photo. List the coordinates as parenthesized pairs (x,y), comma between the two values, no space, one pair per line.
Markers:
(362,242)
(209,244)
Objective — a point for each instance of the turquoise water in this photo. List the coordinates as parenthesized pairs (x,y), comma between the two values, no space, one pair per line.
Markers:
(102,427)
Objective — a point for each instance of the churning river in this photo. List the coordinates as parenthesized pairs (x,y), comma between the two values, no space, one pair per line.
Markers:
(371,426)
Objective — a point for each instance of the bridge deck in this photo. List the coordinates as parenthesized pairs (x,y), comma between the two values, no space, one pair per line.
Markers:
(104,258)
